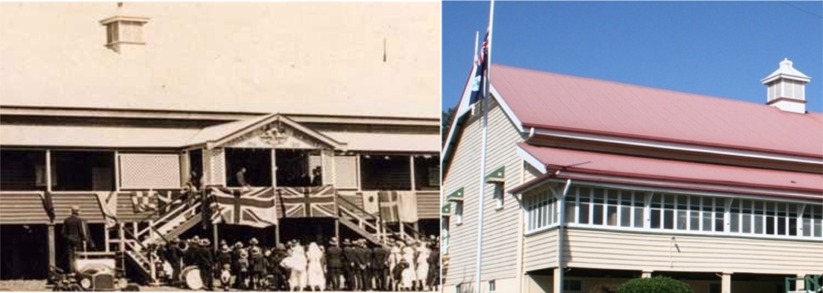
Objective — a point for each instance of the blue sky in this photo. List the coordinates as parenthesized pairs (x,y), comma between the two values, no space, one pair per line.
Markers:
(719,49)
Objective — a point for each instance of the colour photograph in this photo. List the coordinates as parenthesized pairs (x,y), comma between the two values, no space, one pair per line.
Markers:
(600,147)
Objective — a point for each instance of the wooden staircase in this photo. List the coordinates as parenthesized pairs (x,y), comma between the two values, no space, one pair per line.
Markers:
(371,226)
(136,243)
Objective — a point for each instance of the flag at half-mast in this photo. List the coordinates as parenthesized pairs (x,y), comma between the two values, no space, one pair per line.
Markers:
(481,64)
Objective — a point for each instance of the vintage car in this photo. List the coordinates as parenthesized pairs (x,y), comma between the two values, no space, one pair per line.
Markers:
(94,271)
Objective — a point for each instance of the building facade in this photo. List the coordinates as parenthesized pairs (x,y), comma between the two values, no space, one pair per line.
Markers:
(591,182)
(329,111)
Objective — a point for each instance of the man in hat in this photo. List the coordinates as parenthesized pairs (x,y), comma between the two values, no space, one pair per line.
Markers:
(76,232)
(334,263)
(278,256)
(172,254)
(205,263)
(349,264)
(363,265)
(379,268)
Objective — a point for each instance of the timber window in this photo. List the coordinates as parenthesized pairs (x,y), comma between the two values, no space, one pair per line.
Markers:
(23,170)
(381,172)
(498,195)
(541,210)
(257,165)
(458,212)
(571,285)
(84,170)
(596,206)
(426,172)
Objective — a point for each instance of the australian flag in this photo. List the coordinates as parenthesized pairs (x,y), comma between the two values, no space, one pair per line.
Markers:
(481,63)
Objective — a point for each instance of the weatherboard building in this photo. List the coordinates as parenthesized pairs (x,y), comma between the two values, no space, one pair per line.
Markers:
(591,182)
(118,108)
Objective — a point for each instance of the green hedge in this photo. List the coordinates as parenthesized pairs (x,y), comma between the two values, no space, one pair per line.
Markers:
(659,284)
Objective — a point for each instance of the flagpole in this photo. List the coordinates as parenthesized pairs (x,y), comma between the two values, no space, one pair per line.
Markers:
(485,122)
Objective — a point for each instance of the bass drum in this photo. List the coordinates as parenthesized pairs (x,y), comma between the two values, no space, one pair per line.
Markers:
(190,276)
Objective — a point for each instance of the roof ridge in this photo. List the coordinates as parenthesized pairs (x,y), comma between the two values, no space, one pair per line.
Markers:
(638,86)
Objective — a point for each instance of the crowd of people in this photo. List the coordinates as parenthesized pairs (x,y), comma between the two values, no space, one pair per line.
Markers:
(353,265)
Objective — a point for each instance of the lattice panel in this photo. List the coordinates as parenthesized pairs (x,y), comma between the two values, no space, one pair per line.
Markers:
(328,166)
(345,172)
(217,166)
(141,171)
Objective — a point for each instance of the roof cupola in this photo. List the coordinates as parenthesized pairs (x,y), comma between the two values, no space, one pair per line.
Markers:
(786,88)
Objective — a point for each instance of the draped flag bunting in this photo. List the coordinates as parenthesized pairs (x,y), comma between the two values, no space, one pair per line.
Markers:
(48,204)
(370,203)
(398,206)
(388,206)
(315,201)
(255,207)
(108,205)
(407,206)
(144,201)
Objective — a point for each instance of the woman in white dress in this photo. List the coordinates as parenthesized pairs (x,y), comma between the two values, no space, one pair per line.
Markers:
(409,275)
(296,263)
(316,277)
(423,253)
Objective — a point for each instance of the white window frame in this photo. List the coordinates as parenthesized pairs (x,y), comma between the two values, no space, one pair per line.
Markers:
(498,192)
(541,212)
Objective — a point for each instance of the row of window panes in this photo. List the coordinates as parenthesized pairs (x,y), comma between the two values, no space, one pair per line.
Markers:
(625,208)
(540,210)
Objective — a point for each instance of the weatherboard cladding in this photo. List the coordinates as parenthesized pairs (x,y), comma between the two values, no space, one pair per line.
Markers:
(563,102)
(698,253)
(500,252)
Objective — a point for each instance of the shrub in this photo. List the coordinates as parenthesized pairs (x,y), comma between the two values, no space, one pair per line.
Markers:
(657,284)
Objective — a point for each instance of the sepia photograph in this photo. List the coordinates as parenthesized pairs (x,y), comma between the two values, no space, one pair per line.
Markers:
(632,147)
(220,146)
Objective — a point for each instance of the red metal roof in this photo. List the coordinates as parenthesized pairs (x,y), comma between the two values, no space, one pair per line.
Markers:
(673,170)
(563,102)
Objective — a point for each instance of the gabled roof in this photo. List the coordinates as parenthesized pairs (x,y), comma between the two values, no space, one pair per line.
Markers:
(553,101)
(219,135)
(690,175)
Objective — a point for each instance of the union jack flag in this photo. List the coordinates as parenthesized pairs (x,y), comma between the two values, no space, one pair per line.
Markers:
(315,201)
(256,207)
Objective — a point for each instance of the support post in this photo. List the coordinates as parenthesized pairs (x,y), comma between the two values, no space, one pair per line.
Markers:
(800,283)
(726,282)
(411,172)
(215,236)
(337,230)
(52,251)
(277,233)
(122,236)
(48,171)
(557,280)
(106,238)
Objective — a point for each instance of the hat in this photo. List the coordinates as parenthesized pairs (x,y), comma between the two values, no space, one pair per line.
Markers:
(253,241)
(205,242)
(238,244)
(224,248)
(280,246)
(75,209)
(346,241)
(333,241)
